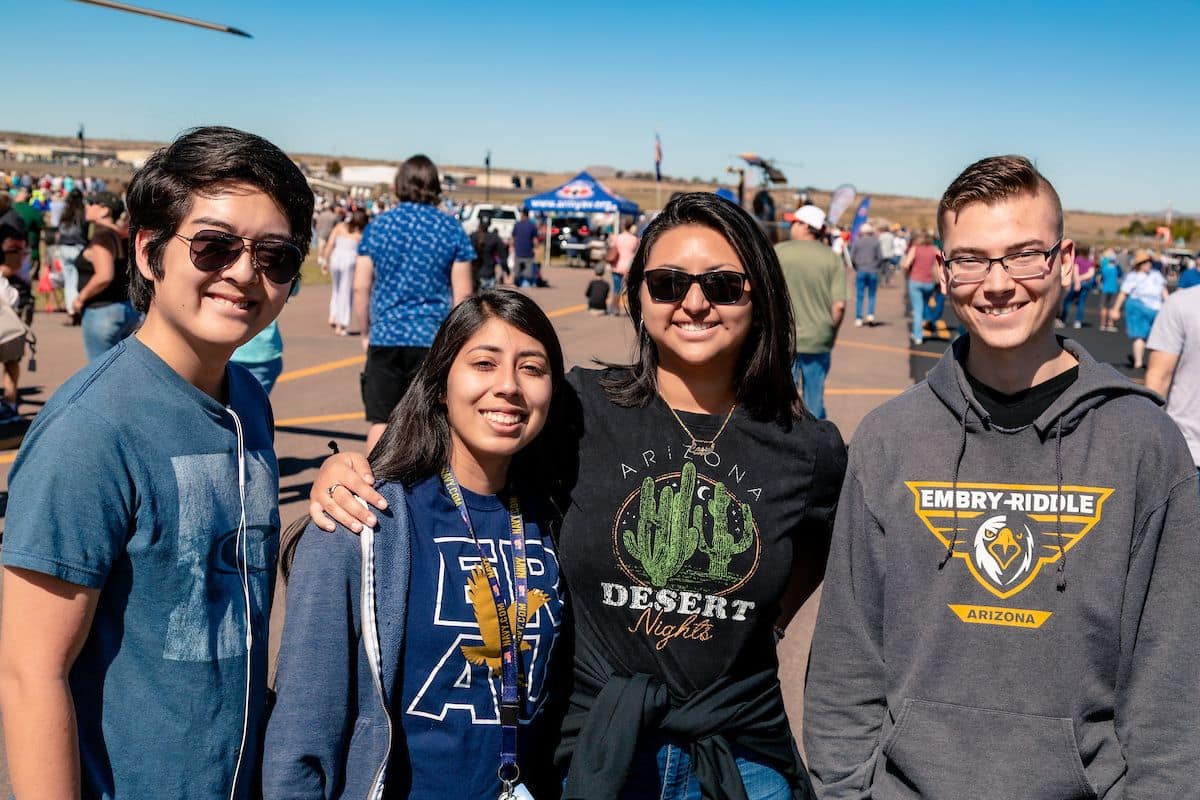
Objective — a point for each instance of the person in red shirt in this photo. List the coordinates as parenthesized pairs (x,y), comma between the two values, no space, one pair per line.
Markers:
(918,264)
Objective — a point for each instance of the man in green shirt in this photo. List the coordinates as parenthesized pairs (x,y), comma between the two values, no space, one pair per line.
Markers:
(34,223)
(816,280)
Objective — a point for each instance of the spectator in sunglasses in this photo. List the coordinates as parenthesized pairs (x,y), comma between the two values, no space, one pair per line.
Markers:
(138,580)
(699,521)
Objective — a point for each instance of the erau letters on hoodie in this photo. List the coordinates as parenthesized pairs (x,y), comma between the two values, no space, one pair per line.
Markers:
(1006,534)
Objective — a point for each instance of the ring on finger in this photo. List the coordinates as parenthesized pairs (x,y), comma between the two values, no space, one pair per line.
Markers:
(332,489)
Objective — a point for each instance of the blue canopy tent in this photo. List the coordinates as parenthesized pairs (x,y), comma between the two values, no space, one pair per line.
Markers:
(583,194)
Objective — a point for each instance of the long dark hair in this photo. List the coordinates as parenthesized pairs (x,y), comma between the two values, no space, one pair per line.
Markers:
(73,212)
(416,442)
(764,387)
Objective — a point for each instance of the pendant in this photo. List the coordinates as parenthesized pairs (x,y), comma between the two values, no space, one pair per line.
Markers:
(701,449)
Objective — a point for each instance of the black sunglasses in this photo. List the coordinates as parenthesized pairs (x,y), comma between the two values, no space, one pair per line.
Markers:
(721,287)
(212,251)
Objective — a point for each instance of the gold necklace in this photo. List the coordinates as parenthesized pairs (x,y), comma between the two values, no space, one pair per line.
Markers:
(701,447)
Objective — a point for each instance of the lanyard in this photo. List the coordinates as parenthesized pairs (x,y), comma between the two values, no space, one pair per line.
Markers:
(510,634)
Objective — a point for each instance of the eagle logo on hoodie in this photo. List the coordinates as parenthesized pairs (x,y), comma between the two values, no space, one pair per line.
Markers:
(1007,534)
(1004,546)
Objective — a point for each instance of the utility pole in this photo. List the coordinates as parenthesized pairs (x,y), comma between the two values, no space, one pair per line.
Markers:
(82,165)
(487,186)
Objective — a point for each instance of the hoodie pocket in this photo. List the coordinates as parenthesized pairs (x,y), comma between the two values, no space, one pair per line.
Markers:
(943,751)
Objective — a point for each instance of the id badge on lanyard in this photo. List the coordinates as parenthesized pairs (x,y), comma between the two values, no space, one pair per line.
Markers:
(511,634)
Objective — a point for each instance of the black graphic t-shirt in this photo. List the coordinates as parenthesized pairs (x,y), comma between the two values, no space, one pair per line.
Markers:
(676,562)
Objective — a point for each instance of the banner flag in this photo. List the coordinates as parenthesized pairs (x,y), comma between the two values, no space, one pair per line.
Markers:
(860,217)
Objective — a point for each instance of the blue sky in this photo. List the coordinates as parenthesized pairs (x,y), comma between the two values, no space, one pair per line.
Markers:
(894,98)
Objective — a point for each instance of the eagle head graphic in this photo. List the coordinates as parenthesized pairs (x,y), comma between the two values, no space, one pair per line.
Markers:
(1004,549)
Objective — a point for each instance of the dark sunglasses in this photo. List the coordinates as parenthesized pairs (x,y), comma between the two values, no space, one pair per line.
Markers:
(721,287)
(212,251)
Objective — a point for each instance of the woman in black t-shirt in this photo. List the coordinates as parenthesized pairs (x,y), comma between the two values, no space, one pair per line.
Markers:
(103,304)
(699,523)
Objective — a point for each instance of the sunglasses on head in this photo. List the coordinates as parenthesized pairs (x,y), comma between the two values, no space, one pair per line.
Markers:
(721,287)
(212,251)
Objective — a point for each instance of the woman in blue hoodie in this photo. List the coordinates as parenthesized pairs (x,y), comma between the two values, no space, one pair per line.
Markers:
(439,635)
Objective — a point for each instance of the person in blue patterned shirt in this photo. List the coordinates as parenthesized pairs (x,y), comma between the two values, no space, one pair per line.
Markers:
(414,265)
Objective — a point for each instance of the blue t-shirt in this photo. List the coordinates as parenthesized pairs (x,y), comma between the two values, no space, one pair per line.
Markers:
(524,238)
(1110,275)
(1189,278)
(449,703)
(412,247)
(266,346)
(128,483)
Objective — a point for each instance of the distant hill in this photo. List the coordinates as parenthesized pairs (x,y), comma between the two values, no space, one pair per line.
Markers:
(912,212)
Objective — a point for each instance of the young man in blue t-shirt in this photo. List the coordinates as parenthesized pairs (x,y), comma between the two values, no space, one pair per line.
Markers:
(142,525)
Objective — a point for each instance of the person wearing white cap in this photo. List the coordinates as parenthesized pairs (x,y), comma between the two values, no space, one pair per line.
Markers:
(816,280)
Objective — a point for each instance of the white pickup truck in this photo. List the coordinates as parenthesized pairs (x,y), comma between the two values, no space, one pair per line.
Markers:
(504,217)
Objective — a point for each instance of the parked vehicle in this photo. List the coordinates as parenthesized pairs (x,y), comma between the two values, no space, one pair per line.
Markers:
(503,217)
(573,230)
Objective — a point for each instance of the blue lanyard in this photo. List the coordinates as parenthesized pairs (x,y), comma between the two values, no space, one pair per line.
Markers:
(510,634)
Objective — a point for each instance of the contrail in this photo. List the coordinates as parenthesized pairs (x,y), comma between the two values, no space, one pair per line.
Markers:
(149,12)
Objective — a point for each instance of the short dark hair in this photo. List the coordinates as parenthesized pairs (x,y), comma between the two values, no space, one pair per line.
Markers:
(417,182)
(416,442)
(110,201)
(203,160)
(764,386)
(991,180)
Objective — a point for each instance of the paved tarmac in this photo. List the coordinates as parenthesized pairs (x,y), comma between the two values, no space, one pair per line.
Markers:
(317,398)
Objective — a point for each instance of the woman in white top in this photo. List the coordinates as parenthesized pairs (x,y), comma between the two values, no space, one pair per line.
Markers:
(337,259)
(1142,294)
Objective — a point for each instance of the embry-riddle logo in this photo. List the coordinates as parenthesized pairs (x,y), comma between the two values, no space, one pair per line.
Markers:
(1007,532)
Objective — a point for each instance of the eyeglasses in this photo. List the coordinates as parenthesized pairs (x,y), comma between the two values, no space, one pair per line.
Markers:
(720,287)
(212,251)
(1019,266)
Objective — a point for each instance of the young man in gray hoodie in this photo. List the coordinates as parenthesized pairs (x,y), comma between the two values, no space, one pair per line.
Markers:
(1010,602)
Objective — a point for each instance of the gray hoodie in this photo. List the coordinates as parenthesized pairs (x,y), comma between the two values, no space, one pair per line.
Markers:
(1011,613)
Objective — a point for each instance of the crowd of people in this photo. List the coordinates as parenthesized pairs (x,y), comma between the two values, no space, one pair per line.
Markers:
(539,583)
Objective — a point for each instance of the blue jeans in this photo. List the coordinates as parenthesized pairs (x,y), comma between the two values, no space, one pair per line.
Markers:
(66,255)
(869,282)
(665,773)
(104,326)
(808,372)
(1079,298)
(265,372)
(918,298)
(939,305)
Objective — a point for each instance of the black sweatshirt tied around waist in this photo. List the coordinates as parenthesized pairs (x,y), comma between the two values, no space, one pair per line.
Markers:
(609,712)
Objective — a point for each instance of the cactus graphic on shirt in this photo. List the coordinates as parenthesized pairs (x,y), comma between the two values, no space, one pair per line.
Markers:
(722,546)
(668,528)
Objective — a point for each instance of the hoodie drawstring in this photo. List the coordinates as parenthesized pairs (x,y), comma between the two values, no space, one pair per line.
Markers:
(1058,473)
(962,449)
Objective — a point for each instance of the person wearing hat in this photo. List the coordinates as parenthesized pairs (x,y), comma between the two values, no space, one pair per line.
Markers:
(867,258)
(1142,294)
(816,281)
(103,306)
(1110,286)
